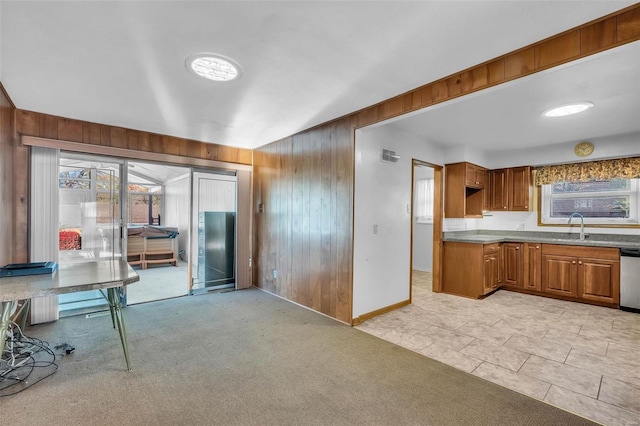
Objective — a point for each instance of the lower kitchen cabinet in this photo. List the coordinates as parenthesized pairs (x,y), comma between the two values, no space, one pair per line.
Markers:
(560,275)
(512,264)
(492,268)
(576,273)
(588,274)
(532,266)
(470,269)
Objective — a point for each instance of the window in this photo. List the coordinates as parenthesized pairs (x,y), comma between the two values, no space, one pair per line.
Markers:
(145,204)
(424,201)
(607,202)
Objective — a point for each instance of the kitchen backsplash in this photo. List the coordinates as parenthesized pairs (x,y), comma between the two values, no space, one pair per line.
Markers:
(521,221)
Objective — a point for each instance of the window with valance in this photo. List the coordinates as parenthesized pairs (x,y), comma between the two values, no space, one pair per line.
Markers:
(605,192)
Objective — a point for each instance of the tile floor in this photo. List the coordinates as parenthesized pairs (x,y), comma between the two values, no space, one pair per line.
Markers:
(585,359)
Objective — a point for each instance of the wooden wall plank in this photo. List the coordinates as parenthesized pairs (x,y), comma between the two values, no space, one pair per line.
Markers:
(519,63)
(557,50)
(496,71)
(629,25)
(90,133)
(69,130)
(48,126)
(598,36)
(474,79)
(393,107)
(118,137)
(133,138)
(7,200)
(27,123)
(315,218)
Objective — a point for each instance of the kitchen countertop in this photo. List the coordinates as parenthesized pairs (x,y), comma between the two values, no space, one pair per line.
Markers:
(495,236)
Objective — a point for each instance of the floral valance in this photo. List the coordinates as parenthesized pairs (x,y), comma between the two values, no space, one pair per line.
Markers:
(620,168)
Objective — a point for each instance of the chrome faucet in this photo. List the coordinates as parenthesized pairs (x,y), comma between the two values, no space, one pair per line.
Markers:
(576,214)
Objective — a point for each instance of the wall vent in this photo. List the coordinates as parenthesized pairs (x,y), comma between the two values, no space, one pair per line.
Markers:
(389,156)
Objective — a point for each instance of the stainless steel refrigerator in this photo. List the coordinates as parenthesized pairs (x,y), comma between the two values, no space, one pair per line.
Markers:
(216,249)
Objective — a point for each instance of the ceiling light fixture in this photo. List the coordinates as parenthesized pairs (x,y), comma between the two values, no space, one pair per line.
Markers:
(569,109)
(213,67)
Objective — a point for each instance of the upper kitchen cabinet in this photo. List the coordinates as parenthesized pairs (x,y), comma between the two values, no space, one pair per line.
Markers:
(510,189)
(464,190)
(474,176)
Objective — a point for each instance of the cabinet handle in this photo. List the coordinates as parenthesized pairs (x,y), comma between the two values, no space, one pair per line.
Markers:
(517,248)
(574,262)
(537,247)
(580,263)
(526,207)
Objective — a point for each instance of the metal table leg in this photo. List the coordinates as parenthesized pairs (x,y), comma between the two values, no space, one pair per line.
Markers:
(116,314)
(5,315)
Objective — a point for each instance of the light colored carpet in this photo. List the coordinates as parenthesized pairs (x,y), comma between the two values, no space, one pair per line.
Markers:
(157,282)
(249,358)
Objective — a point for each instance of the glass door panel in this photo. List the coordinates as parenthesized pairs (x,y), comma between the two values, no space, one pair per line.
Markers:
(90,222)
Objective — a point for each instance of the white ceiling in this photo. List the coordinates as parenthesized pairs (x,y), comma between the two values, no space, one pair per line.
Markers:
(304,62)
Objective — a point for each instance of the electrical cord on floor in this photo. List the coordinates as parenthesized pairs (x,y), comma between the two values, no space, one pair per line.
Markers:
(25,361)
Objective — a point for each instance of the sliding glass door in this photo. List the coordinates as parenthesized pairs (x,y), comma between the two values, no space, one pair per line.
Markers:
(90,212)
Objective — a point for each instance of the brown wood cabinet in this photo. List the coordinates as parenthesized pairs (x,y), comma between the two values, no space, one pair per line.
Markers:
(532,266)
(498,185)
(492,268)
(590,274)
(560,275)
(513,264)
(475,176)
(510,189)
(464,190)
(470,269)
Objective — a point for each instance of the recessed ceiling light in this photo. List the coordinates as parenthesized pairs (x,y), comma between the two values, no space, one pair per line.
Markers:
(214,67)
(569,109)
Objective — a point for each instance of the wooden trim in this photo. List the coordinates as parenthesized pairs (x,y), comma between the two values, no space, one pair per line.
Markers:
(364,317)
(129,154)
(30,123)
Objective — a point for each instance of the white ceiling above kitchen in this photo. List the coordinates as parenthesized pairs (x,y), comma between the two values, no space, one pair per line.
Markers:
(302,62)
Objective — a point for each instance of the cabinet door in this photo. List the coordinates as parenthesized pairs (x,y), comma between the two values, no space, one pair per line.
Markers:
(498,184)
(599,280)
(533,266)
(491,272)
(518,182)
(559,275)
(513,264)
(474,176)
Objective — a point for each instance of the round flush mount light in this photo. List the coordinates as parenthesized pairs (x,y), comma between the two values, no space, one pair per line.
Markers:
(213,67)
(568,109)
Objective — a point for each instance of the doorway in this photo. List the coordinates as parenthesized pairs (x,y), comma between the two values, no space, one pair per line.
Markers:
(422,225)
(214,231)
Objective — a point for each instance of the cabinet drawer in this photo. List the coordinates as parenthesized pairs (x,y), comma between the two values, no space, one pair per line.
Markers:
(581,251)
(491,248)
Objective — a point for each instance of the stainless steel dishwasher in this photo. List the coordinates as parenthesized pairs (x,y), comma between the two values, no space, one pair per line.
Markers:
(630,280)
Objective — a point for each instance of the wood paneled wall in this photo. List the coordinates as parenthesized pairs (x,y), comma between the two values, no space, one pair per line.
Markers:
(304,187)
(6,174)
(36,124)
(305,181)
